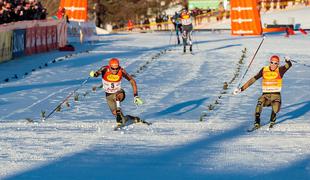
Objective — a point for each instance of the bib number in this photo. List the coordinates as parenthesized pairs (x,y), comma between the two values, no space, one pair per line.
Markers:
(111,87)
(186,21)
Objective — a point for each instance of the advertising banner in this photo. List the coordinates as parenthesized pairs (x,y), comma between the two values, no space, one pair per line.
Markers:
(62,34)
(19,37)
(82,31)
(51,38)
(6,45)
(245,18)
(75,9)
(30,41)
(41,38)
(44,38)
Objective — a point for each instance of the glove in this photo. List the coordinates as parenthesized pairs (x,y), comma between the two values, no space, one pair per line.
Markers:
(93,74)
(287,58)
(237,91)
(137,100)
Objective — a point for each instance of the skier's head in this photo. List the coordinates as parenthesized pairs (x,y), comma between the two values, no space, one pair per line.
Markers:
(114,64)
(184,10)
(274,62)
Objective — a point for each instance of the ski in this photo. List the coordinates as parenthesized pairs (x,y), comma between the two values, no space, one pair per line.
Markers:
(145,122)
(271,125)
(132,120)
(253,129)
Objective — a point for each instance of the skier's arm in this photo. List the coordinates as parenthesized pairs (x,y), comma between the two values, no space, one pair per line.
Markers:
(102,70)
(252,80)
(286,67)
(132,82)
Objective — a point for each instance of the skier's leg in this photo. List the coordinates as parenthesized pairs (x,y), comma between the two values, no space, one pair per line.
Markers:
(276,105)
(113,101)
(119,97)
(190,40)
(110,98)
(177,33)
(184,37)
(259,107)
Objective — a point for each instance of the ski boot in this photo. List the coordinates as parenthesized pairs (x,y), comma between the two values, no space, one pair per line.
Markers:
(191,48)
(120,120)
(273,119)
(257,121)
(256,125)
(184,49)
(272,124)
(179,42)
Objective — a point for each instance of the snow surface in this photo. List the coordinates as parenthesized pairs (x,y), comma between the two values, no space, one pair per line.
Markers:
(79,142)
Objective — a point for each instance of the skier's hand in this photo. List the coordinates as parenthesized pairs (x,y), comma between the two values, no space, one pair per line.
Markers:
(137,100)
(93,74)
(287,59)
(237,91)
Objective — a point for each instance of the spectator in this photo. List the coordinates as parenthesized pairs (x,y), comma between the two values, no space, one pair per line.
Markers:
(146,24)
(165,18)
(19,10)
(61,14)
(221,11)
(158,21)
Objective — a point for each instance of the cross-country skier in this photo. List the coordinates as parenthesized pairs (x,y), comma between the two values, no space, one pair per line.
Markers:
(177,25)
(271,85)
(187,29)
(112,75)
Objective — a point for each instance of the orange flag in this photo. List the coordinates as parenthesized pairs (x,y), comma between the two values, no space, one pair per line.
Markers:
(75,9)
(245,18)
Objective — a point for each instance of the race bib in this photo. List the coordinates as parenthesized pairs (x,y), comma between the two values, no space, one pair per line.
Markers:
(111,87)
(186,21)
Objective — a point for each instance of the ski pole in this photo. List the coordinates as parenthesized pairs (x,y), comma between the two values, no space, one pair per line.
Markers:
(170,37)
(300,63)
(84,82)
(247,69)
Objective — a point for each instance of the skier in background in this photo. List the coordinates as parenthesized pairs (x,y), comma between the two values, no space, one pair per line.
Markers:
(112,75)
(187,29)
(177,25)
(271,85)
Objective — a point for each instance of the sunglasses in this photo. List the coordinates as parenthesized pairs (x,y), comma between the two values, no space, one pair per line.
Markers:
(114,68)
(275,63)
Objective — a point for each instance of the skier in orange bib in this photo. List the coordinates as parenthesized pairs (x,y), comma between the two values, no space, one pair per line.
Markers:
(112,75)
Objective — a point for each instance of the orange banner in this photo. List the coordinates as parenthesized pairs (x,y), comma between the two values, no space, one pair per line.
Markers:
(75,9)
(245,18)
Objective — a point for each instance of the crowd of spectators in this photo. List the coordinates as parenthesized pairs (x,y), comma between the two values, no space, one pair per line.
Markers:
(20,10)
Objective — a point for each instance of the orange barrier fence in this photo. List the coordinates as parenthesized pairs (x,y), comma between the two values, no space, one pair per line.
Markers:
(76,10)
(245,18)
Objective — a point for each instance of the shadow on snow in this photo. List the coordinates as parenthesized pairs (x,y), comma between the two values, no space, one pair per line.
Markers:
(101,162)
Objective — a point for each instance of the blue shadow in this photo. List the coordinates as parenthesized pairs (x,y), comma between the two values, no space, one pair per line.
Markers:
(100,162)
(177,108)
(223,47)
(13,89)
(305,107)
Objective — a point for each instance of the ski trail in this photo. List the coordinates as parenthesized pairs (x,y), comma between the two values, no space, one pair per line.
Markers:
(33,104)
(164,90)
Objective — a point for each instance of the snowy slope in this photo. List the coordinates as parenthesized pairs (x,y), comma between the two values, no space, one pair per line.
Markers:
(79,142)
